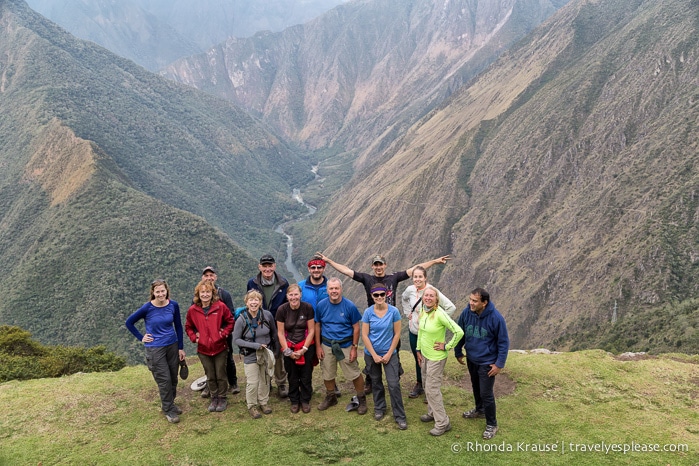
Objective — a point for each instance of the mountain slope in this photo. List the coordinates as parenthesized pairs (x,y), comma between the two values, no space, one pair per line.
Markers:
(107,174)
(563,179)
(358,75)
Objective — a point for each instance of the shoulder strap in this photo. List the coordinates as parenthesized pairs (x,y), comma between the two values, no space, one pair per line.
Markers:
(415,305)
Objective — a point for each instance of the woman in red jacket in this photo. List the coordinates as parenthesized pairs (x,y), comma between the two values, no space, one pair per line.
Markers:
(208,324)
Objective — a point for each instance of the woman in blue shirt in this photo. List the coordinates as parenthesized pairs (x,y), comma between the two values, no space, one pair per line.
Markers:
(163,342)
(381,334)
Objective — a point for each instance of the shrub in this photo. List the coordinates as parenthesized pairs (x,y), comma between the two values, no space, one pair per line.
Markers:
(22,358)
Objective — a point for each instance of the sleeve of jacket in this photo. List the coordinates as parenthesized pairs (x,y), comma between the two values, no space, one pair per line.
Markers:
(405,301)
(189,325)
(458,333)
(446,304)
(503,343)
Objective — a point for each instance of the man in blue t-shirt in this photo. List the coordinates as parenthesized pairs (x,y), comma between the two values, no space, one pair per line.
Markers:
(337,336)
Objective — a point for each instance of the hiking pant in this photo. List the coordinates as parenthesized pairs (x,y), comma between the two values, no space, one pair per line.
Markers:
(433,374)
(163,362)
(393,380)
(215,370)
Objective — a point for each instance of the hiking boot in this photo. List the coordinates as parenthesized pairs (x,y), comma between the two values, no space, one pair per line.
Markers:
(295,408)
(283,391)
(490,432)
(330,400)
(427,418)
(378,415)
(266,409)
(254,412)
(234,389)
(306,408)
(176,409)
(416,391)
(206,393)
(473,414)
(361,409)
(402,425)
(337,391)
(222,405)
(172,418)
(213,405)
(437,431)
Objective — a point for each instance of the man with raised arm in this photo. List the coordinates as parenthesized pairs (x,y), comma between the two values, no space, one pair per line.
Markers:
(378,266)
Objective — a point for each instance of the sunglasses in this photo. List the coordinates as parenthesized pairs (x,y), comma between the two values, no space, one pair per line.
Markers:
(316,267)
(378,295)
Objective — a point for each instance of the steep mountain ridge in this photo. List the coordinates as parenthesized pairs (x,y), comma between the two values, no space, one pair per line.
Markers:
(563,179)
(360,74)
(154,33)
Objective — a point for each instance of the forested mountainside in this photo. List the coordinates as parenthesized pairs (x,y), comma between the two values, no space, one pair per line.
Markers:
(563,179)
(111,176)
(359,75)
(154,33)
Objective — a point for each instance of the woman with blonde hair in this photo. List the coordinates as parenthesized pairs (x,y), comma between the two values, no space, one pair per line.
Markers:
(411,300)
(255,334)
(208,324)
(432,352)
(163,342)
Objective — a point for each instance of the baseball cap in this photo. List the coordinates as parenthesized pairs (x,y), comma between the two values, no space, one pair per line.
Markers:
(267,259)
(208,268)
(378,258)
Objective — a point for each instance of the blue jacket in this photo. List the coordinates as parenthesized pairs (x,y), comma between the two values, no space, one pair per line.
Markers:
(485,337)
(278,296)
(313,294)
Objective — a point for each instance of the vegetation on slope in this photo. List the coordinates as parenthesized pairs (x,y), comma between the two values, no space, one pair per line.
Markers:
(22,358)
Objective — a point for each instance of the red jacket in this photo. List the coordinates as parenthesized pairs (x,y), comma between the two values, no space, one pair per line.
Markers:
(213,328)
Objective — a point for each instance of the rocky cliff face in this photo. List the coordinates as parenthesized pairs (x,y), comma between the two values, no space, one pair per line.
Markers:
(563,179)
(360,74)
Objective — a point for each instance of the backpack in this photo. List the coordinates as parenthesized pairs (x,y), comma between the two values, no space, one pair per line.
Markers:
(272,330)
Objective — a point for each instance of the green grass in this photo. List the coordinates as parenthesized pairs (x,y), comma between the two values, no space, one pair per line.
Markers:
(586,397)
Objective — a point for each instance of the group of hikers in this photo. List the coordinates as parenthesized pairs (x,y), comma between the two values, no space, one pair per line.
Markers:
(284,330)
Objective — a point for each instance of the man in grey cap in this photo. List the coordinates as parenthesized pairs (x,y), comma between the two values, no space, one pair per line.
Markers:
(273,287)
(209,275)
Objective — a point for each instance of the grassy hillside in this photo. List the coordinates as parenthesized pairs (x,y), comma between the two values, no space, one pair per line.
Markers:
(580,400)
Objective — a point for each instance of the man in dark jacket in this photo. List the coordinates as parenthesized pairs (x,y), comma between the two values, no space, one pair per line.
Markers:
(273,288)
(486,343)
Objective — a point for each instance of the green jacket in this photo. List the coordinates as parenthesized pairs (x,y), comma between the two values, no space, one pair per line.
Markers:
(433,328)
